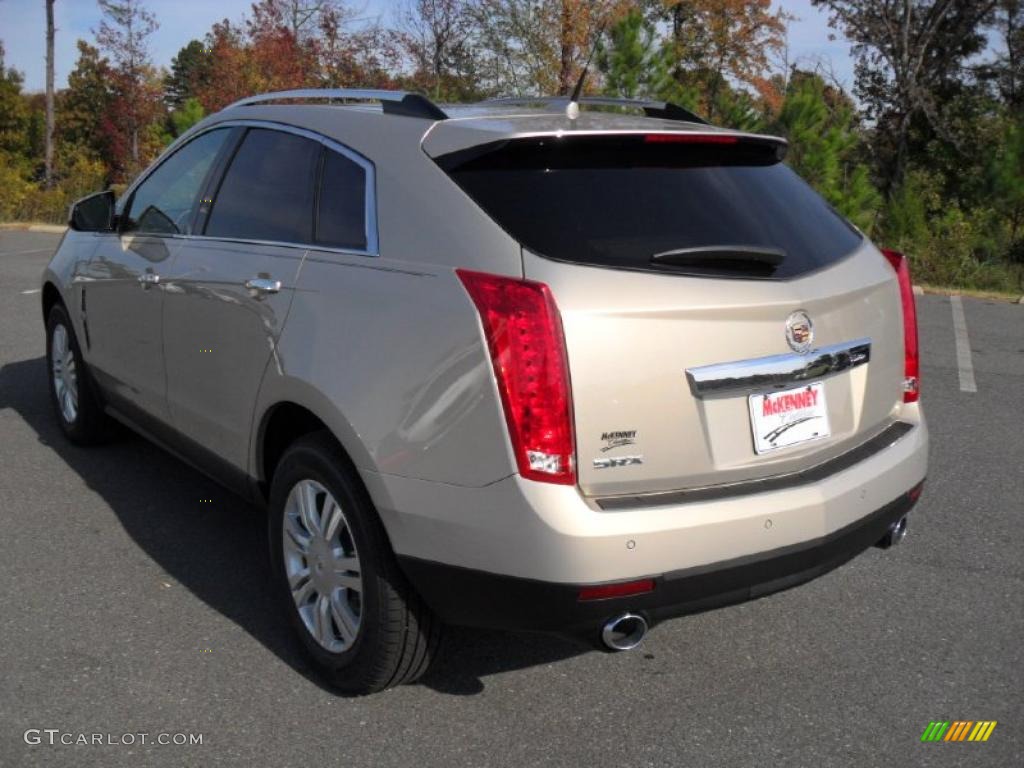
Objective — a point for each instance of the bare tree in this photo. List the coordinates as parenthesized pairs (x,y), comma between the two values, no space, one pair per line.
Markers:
(437,35)
(123,32)
(905,51)
(540,46)
(305,17)
(49,94)
(1008,25)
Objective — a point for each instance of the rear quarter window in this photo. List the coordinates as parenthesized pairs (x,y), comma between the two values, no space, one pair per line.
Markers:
(341,213)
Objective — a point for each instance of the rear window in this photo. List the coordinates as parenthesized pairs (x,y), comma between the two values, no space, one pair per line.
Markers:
(723,209)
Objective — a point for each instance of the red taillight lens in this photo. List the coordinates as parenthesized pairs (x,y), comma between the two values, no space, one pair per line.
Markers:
(625,589)
(911,362)
(524,335)
(915,492)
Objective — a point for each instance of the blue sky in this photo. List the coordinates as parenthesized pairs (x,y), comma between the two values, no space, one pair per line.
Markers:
(23,32)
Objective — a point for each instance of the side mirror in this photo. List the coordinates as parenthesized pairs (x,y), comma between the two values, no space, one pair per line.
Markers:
(94,213)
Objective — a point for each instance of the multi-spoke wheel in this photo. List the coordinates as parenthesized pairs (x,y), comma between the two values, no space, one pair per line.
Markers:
(65,383)
(74,401)
(322,565)
(357,616)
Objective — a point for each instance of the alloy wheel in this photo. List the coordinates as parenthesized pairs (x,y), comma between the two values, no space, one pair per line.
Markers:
(322,566)
(65,376)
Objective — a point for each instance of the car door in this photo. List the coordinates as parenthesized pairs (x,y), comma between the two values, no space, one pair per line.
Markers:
(122,298)
(229,291)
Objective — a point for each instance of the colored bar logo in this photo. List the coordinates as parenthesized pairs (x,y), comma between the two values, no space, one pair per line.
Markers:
(958,730)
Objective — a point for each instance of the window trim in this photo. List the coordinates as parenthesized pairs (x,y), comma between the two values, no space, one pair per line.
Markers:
(372,243)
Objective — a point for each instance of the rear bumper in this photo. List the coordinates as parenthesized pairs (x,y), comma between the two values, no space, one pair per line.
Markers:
(551,533)
(478,598)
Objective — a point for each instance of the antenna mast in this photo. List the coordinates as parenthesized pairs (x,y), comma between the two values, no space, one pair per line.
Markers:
(572,109)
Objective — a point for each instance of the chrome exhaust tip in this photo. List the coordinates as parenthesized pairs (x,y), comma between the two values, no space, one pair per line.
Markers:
(897,532)
(624,632)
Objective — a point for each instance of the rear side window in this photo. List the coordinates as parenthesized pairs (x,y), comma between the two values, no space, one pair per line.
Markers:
(727,208)
(341,214)
(267,192)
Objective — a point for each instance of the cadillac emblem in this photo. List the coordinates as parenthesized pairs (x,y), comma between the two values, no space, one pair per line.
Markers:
(799,332)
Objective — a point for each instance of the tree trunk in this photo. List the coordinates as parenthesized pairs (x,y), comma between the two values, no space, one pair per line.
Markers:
(1011,56)
(678,26)
(899,168)
(49,94)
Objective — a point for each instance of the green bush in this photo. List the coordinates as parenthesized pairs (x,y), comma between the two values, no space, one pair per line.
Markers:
(948,246)
(77,174)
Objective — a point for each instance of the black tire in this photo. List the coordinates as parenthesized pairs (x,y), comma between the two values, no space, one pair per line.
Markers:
(398,636)
(90,424)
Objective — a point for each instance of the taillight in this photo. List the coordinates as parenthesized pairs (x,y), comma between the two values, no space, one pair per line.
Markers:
(911,362)
(524,336)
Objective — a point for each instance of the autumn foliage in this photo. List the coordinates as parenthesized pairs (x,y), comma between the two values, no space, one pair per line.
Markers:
(924,149)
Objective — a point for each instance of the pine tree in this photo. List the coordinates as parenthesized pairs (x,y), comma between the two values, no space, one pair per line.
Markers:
(819,123)
(14,113)
(631,60)
(191,71)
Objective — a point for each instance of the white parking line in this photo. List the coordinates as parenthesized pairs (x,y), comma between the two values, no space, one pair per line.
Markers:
(22,253)
(31,291)
(963,347)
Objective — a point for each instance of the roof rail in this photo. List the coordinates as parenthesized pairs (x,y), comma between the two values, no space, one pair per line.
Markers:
(663,109)
(392,102)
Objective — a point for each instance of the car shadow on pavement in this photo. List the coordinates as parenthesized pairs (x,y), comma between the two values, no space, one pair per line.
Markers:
(214,544)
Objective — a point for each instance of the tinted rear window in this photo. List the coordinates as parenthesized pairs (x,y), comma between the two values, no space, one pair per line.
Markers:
(267,193)
(618,201)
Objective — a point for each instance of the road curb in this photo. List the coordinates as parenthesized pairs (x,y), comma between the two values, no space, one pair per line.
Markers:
(56,229)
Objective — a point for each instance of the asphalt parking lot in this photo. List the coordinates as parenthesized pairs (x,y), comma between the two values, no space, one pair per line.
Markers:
(130,606)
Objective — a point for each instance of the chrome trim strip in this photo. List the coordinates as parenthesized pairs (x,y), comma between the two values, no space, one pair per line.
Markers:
(776,371)
(883,440)
(276,243)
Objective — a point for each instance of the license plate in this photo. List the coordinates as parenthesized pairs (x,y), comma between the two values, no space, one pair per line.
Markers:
(788,417)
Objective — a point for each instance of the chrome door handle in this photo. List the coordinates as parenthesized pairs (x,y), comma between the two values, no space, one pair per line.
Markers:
(263,285)
(147,279)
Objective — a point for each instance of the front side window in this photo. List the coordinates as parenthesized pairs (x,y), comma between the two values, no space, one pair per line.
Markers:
(341,215)
(163,203)
(267,192)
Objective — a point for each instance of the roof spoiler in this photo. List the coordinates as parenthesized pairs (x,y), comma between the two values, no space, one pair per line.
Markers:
(665,110)
(404,103)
